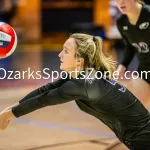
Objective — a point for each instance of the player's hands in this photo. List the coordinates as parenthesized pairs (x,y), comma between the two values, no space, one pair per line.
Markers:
(4,121)
(5,117)
(120,72)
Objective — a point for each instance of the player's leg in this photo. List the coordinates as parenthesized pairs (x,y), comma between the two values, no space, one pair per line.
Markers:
(140,88)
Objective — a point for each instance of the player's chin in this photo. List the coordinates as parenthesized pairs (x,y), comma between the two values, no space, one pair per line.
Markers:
(63,67)
(123,12)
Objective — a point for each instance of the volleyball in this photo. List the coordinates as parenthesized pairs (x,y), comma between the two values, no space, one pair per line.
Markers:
(8,40)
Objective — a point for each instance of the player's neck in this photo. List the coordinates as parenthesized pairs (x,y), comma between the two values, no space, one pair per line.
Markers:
(133,15)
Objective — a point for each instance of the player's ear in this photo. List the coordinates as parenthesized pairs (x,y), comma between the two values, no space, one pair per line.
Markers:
(80,61)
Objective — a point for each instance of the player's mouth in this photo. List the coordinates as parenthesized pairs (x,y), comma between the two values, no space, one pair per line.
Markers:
(123,7)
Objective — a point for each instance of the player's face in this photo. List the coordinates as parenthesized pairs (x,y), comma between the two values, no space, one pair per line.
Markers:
(125,6)
(67,56)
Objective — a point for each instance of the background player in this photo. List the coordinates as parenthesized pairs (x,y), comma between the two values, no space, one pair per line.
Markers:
(134,26)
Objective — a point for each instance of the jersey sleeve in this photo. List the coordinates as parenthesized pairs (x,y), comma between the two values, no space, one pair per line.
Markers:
(67,92)
(40,90)
(129,51)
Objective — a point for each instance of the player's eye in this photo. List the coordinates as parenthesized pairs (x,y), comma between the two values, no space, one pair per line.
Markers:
(66,52)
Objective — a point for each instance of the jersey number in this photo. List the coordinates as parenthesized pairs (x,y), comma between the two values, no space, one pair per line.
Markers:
(122,88)
(142,47)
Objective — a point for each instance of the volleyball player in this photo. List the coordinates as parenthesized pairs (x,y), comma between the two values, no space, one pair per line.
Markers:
(134,26)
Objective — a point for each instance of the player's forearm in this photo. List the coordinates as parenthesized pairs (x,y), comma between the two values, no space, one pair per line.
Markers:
(60,95)
(38,91)
(127,56)
(30,105)
(31,94)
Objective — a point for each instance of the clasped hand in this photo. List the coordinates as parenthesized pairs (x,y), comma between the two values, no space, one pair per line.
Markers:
(4,120)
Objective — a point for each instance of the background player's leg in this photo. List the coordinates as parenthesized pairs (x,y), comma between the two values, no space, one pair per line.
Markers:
(140,88)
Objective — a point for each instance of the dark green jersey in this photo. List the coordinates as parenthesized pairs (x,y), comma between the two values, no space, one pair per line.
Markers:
(136,38)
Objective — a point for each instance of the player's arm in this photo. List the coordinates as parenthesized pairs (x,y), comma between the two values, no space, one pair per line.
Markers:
(129,51)
(47,87)
(67,92)
(40,90)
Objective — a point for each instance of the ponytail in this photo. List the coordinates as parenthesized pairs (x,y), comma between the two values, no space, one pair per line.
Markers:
(91,49)
(106,63)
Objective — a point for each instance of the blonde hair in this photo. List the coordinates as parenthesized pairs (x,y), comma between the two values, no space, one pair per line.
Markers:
(91,49)
(140,1)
